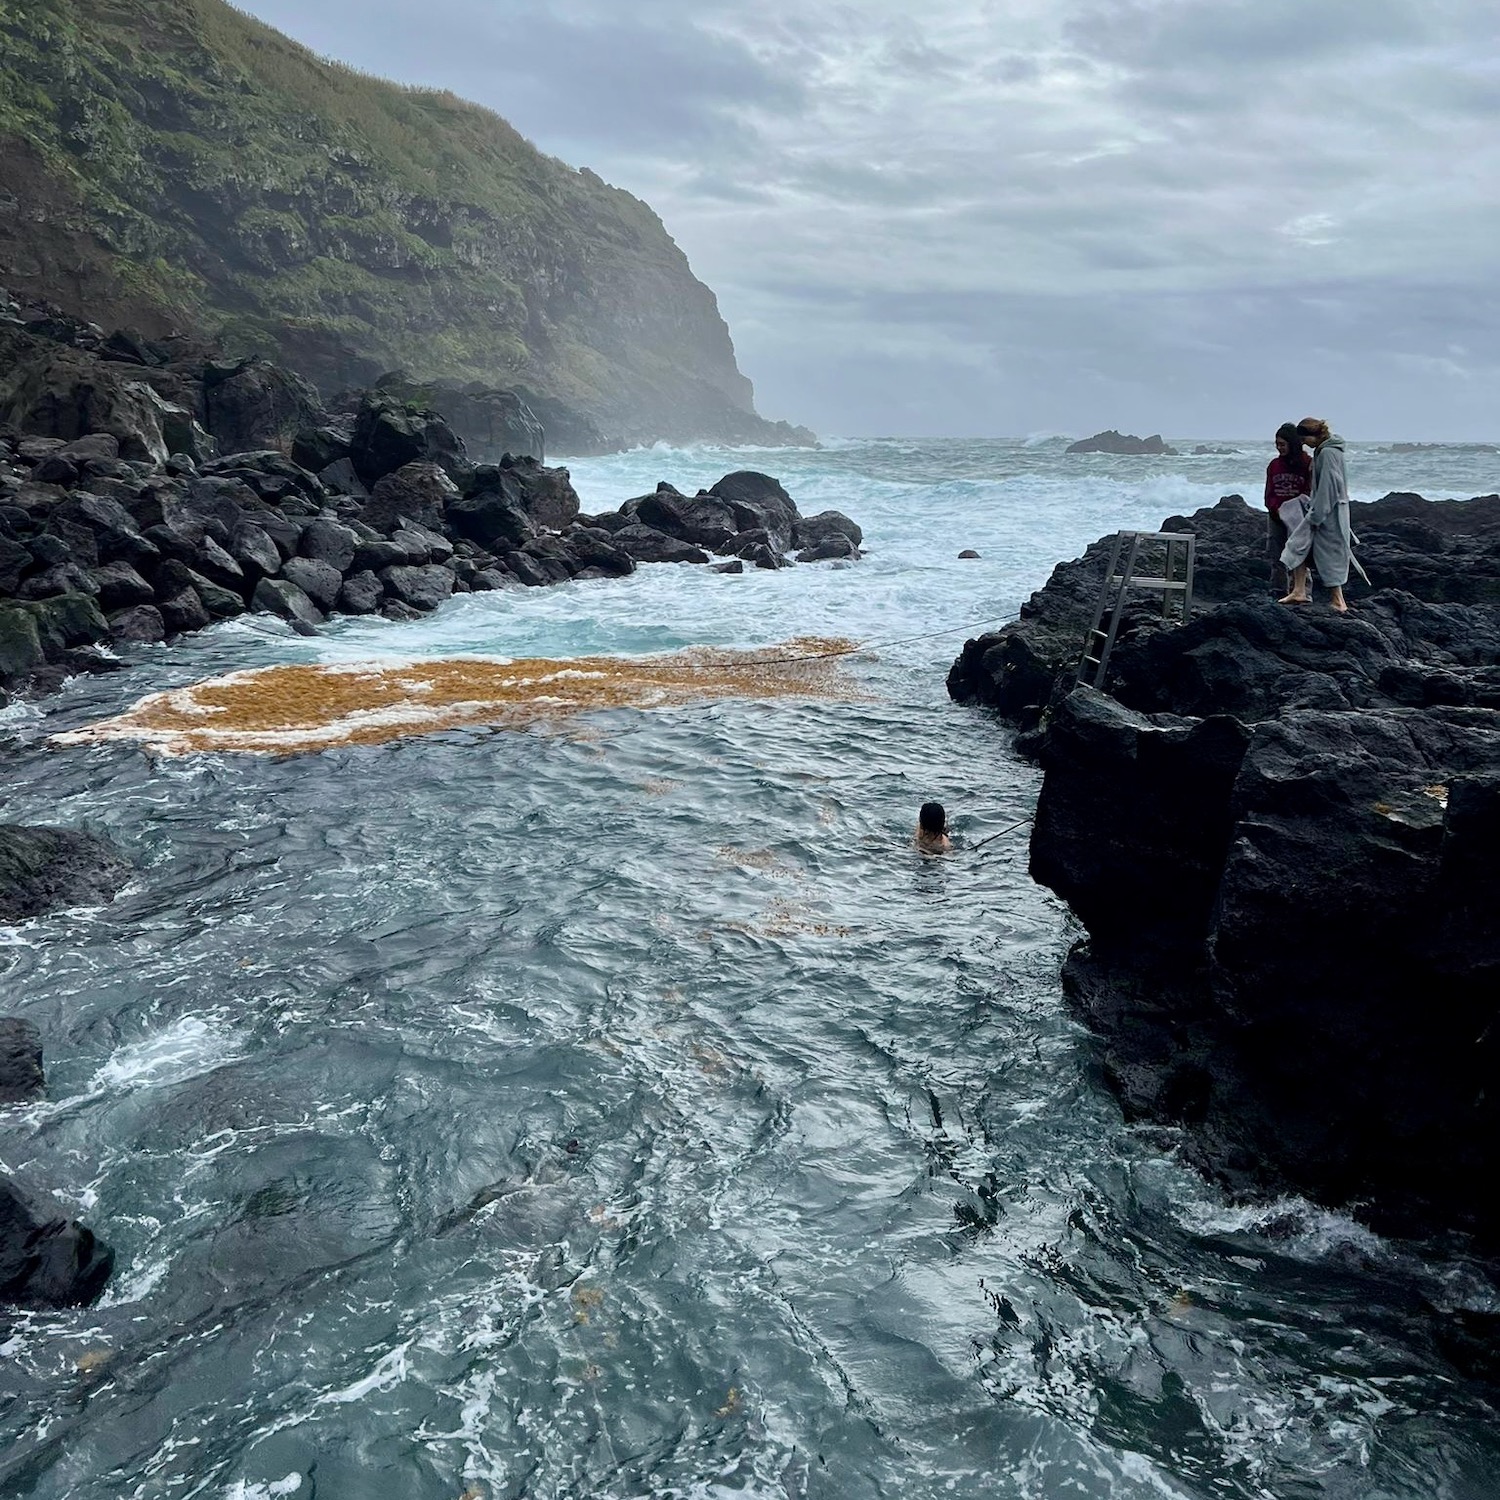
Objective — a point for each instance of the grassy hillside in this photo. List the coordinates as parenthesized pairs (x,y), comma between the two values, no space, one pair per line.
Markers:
(178,163)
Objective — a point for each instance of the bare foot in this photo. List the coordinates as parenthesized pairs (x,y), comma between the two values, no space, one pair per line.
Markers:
(1292,599)
(1339,608)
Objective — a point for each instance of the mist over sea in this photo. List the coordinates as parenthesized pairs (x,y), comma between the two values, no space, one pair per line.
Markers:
(628,1110)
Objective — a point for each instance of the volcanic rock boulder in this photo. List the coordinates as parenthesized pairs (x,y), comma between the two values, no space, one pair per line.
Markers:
(65,394)
(389,434)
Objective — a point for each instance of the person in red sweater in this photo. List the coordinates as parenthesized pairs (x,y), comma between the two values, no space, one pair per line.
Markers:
(1288,478)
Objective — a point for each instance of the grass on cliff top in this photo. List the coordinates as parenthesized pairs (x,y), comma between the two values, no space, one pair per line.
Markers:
(257,187)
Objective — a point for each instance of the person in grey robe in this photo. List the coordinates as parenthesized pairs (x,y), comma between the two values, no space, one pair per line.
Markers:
(1322,533)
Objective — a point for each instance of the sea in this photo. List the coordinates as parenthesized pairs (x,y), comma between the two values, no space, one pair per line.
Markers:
(623,1107)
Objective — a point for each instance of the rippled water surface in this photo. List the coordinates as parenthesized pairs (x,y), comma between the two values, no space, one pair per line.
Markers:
(626,1109)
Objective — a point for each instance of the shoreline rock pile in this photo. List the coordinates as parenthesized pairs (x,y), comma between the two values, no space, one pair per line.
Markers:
(1278,827)
(148,490)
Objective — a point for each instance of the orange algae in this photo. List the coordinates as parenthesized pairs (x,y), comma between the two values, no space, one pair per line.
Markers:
(299,709)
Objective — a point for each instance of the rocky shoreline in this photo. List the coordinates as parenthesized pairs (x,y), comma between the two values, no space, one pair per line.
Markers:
(149,489)
(1277,825)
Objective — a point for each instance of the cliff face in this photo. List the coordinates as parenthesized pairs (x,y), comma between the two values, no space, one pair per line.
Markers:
(1278,828)
(181,166)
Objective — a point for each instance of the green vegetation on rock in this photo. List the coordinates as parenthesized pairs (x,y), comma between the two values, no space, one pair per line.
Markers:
(181,165)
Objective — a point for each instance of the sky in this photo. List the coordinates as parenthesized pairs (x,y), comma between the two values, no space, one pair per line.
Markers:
(1008,217)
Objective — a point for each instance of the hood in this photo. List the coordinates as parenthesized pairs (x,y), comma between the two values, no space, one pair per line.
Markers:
(1334,442)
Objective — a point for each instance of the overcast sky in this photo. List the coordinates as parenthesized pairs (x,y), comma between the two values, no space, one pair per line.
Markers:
(997,217)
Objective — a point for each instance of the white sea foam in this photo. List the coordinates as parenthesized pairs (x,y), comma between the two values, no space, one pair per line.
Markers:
(186,1048)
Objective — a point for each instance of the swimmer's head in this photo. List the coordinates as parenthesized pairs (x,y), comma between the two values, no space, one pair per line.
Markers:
(932,819)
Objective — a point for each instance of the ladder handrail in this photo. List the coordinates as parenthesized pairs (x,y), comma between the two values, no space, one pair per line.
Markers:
(1179,544)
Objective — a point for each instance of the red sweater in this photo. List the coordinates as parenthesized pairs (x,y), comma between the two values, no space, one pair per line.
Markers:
(1285,482)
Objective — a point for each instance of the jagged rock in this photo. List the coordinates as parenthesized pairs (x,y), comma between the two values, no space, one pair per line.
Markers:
(21,651)
(320,448)
(758,502)
(389,435)
(328,542)
(546,495)
(142,625)
(254,550)
(67,621)
(62,393)
(340,479)
(279,596)
(55,469)
(735,565)
(419,491)
(1123,443)
(120,586)
(257,405)
(596,549)
(318,580)
(492,517)
(15,559)
(833,545)
(491,422)
(646,544)
(21,1075)
(1279,833)
(810,530)
(488,580)
(47,1260)
(361,594)
(183,611)
(422,588)
(526,570)
(48,869)
(700,519)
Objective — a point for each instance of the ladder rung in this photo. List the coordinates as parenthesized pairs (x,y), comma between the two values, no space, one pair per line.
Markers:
(1153,583)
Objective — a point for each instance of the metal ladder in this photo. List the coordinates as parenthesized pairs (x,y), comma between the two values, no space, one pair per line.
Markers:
(1182,551)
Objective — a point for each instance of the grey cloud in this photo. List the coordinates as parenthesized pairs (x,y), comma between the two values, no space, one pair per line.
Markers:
(1048,207)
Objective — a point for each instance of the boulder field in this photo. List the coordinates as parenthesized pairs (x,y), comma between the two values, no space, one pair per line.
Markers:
(149,489)
(1278,826)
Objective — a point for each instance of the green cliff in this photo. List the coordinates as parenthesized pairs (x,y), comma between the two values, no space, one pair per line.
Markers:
(178,165)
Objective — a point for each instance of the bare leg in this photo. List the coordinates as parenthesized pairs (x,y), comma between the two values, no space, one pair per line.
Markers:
(1338,602)
(1298,594)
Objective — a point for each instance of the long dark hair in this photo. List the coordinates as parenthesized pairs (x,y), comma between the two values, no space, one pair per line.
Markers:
(1295,456)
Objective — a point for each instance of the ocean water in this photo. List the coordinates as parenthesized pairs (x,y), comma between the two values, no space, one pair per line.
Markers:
(630,1111)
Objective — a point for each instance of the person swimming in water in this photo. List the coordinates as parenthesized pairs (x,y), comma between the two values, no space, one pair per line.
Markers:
(932,829)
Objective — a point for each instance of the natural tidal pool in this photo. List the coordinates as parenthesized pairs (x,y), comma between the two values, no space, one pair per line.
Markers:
(614,1103)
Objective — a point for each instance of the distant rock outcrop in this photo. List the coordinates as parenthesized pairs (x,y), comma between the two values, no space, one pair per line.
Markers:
(1122,442)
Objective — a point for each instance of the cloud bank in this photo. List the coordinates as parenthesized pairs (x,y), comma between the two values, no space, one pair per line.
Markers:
(1002,216)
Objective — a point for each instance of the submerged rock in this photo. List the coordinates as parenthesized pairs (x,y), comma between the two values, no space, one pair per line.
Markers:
(47,869)
(21,1075)
(46,1258)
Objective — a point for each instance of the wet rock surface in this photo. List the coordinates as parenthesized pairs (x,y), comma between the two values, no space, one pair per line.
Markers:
(1277,825)
(47,1259)
(47,869)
